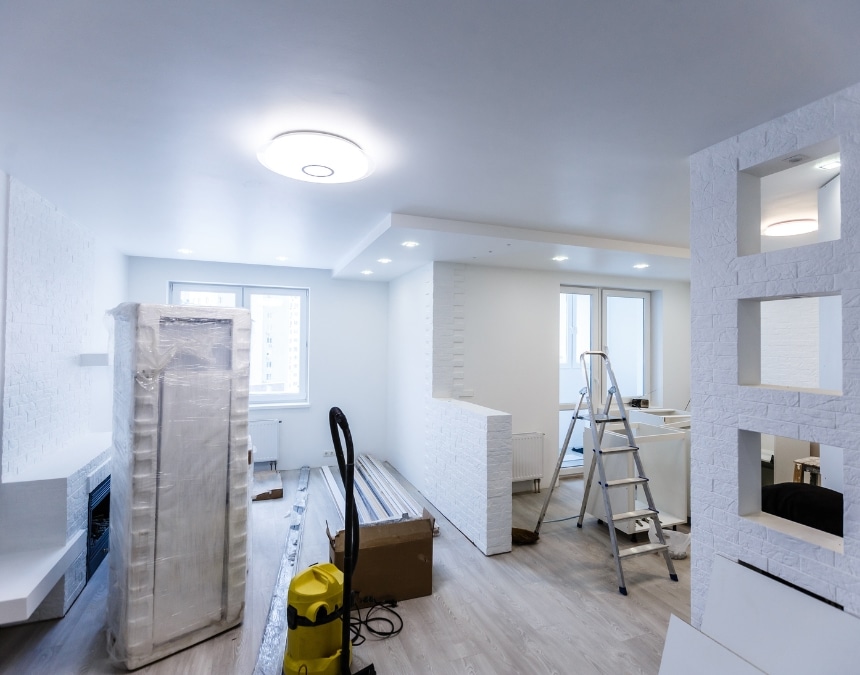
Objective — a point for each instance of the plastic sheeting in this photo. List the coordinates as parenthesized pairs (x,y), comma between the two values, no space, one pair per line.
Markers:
(179,497)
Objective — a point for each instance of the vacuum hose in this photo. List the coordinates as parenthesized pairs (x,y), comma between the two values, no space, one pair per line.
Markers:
(336,419)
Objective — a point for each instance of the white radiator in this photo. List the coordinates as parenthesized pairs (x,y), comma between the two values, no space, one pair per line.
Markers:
(266,437)
(527,457)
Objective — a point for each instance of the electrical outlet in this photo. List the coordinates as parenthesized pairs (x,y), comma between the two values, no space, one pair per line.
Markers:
(328,453)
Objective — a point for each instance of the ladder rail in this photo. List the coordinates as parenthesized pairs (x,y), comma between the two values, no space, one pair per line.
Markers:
(598,425)
(561,453)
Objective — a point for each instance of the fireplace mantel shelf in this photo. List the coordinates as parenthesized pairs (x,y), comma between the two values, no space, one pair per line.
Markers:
(71,458)
(39,507)
(27,576)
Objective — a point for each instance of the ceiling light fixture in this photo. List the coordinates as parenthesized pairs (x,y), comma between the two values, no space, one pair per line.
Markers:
(384,261)
(560,258)
(316,157)
(829,164)
(641,266)
(184,251)
(410,244)
(366,272)
(281,258)
(787,228)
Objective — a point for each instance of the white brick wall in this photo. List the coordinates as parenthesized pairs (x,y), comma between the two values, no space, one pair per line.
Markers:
(468,447)
(50,262)
(720,278)
(789,342)
(49,292)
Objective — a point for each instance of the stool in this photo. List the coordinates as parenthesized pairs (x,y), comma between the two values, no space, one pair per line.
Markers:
(810,465)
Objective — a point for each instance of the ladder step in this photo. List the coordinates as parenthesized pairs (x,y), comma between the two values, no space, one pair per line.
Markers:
(600,418)
(633,515)
(619,449)
(625,481)
(640,550)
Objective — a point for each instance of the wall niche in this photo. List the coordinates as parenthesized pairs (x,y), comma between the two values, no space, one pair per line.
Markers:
(792,200)
(803,507)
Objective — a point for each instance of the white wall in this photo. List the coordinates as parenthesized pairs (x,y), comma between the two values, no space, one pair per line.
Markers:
(409,362)
(109,290)
(348,352)
(511,344)
(57,281)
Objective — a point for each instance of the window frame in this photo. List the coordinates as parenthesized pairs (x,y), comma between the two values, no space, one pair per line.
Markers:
(645,296)
(243,294)
(599,297)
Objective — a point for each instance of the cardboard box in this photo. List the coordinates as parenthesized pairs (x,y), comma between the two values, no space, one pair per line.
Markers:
(395,560)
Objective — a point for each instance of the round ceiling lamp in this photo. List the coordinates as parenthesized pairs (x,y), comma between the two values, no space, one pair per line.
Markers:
(315,156)
(787,228)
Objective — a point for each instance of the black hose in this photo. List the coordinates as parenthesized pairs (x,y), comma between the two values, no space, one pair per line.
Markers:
(336,419)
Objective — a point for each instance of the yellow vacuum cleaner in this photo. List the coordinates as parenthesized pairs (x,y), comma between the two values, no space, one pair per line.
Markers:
(314,620)
(319,598)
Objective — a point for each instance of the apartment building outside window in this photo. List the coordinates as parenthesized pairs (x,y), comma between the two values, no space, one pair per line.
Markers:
(279,335)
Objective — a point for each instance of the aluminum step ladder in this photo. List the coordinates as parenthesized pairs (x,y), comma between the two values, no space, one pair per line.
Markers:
(599,420)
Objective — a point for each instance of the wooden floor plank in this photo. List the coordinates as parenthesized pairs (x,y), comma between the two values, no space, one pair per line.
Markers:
(553,607)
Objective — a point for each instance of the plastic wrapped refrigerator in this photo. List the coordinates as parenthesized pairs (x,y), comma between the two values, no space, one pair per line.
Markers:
(179,497)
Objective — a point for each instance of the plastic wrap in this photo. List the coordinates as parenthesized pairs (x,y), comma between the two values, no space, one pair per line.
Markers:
(179,497)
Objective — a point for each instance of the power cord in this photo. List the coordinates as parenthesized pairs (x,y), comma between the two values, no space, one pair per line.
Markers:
(379,620)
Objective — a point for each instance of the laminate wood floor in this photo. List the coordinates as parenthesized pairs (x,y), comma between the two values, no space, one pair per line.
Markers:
(549,608)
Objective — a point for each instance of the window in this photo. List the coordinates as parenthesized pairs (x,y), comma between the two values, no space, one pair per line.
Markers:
(617,322)
(279,335)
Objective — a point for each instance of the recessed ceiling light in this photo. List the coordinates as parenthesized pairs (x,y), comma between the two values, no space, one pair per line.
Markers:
(366,272)
(560,258)
(184,251)
(410,244)
(384,261)
(787,228)
(829,164)
(281,258)
(641,266)
(316,157)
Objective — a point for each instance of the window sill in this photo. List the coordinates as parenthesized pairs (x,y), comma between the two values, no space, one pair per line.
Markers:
(278,406)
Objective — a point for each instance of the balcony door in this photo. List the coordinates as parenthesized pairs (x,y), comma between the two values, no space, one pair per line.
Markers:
(614,321)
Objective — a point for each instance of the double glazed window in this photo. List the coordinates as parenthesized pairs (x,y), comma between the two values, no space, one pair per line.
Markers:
(595,319)
(616,322)
(279,335)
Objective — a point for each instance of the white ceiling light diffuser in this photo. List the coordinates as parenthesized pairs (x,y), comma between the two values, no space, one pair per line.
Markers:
(787,228)
(315,157)
(829,164)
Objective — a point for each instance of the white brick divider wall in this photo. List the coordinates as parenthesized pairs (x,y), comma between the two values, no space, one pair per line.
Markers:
(721,279)
(468,447)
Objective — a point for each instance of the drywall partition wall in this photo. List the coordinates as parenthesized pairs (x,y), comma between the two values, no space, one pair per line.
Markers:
(468,468)
(726,289)
(457,454)
(468,457)
(348,336)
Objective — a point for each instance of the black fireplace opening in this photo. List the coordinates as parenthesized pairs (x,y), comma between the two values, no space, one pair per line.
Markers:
(98,522)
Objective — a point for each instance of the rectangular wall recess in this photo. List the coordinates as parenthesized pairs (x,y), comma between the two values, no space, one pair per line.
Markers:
(791,200)
(791,343)
(781,485)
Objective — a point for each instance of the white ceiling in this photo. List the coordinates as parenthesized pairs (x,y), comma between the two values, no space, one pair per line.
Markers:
(543,127)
